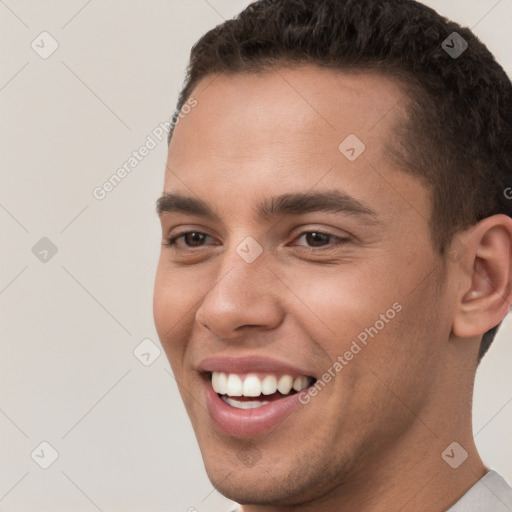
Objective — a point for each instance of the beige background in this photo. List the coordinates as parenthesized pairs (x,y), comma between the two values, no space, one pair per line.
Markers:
(69,326)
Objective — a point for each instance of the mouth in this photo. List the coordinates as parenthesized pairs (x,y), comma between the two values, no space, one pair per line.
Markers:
(253,390)
(245,404)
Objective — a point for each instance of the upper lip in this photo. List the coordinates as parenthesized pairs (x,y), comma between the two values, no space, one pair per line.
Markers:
(248,364)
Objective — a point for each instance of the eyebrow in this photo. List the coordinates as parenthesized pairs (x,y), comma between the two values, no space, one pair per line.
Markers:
(333,201)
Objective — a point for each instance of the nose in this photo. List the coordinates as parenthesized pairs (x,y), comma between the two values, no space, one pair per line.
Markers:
(243,297)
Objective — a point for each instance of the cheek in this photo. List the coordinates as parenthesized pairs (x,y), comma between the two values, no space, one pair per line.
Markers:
(343,303)
(173,305)
(162,299)
(405,353)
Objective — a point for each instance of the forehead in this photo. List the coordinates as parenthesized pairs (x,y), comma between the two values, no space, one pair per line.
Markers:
(356,100)
(289,111)
(286,129)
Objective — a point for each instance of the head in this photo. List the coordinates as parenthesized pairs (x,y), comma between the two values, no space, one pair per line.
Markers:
(345,182)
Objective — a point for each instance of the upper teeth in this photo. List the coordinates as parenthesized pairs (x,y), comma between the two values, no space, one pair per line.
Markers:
(233,384)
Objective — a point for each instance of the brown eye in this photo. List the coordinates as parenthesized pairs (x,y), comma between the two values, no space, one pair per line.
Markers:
(317,239)
(194,238)
(190,239)
(320,240)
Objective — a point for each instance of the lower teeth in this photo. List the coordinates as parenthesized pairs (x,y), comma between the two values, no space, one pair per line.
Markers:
(252,404)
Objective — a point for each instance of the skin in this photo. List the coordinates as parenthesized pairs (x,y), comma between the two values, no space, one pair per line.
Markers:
(372,439)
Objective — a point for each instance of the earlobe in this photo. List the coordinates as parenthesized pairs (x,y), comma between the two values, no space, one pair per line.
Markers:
(487,297)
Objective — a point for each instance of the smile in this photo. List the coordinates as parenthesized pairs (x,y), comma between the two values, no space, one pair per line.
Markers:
(256,390)
(246,396)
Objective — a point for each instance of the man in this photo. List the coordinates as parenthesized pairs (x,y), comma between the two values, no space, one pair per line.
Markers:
(337,255)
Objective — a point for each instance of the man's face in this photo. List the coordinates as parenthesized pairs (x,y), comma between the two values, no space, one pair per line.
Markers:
(296,290)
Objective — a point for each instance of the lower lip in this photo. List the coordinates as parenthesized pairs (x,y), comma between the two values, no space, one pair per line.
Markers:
(248,422)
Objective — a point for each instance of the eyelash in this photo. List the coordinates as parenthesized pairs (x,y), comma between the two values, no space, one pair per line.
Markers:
(171,241)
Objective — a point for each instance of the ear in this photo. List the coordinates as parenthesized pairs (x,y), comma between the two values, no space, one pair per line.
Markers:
(486,277)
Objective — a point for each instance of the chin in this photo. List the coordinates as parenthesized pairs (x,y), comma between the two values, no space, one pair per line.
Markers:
(290,483)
